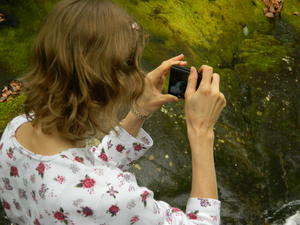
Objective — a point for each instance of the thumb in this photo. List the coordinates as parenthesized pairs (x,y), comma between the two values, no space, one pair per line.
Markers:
(167,98)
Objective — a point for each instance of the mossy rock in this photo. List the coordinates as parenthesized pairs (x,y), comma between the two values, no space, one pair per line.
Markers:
(10,109)
(262,53)
(206,31)
(291,6)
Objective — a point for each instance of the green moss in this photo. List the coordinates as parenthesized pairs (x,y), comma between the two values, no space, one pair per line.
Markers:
(262,53)
(10,109)
(291,6)
(207,32)
(16,42)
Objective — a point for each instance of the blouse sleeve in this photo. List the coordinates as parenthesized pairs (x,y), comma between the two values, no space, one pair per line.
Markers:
(136,205)
(122,149)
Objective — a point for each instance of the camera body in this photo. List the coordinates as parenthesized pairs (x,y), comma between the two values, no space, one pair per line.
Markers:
(178,80)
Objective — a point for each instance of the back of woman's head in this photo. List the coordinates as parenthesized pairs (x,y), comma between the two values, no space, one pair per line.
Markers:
(84,68)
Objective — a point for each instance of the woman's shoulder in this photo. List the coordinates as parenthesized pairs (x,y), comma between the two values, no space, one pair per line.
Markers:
(15,122)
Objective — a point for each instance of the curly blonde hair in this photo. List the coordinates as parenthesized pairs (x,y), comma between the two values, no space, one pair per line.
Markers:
(84,69)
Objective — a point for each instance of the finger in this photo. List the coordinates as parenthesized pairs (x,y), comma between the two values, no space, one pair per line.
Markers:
(222,99)
(207,73)
(192,82)
(181,63)
(215,82)
(166,66)
(176,58)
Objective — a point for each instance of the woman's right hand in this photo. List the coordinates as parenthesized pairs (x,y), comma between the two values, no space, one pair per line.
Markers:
(204,105)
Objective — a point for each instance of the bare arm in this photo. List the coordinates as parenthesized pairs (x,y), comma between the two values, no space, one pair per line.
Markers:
(132,124)
(202,108)
(204,183)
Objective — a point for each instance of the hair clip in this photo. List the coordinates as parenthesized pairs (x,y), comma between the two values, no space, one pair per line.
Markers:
(135,26)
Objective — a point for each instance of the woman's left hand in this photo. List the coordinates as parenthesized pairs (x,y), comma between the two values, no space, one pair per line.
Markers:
(152,99)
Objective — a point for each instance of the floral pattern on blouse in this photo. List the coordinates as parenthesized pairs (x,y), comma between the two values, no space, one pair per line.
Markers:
(87,185)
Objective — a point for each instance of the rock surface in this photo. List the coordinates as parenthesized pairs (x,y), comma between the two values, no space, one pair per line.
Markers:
(257,137)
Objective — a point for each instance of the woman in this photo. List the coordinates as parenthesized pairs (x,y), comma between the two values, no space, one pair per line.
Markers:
(84,75)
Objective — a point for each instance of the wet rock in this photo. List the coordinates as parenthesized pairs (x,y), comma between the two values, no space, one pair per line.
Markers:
(296,13)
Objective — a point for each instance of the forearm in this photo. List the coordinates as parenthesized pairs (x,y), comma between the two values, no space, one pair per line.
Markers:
(204,183)
(132,124)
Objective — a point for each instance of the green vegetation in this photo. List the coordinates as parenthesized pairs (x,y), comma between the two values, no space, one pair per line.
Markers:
(10,109)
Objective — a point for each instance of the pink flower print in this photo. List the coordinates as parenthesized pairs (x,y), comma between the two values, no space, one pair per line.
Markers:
(175,210)
(120,148)
(86,211)
(5,204)
(134,219)
(88,183)
(109,144)
(112,192)
(94,149)
(10,153)
(138,147)
(193,215)
(144,197)
(113,210)
(103,156)
(14,171)
(36,222)
(214,218)
(79,159)
(204,202)
(60,179)
(59,215)
(169,216)
(41,169)
(32,178)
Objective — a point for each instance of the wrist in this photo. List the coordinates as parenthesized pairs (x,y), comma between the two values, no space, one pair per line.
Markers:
(200,133)
(140,115)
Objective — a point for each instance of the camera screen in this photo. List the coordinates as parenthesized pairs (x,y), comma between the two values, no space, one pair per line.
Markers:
(178,80)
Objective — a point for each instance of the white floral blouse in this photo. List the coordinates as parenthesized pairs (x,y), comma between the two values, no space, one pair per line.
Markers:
(87,186)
